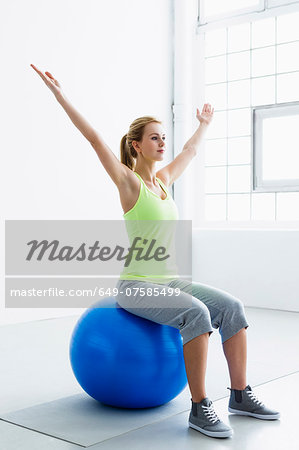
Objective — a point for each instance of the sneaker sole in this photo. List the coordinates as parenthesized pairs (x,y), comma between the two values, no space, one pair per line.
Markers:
(212,433)
(258,416)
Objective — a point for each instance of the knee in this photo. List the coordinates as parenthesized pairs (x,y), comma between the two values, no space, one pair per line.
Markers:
(195,321)
(196,313)
(235,309)
(200,311)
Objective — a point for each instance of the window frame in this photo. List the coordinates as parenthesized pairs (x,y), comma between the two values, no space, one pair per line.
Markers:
(230,20)
(258,114)
(203,19)
(277,3)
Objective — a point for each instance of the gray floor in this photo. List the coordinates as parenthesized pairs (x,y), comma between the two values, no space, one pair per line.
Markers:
(35,370)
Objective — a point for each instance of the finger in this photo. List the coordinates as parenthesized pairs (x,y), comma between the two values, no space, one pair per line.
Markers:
(40,73)
(50,75)
(35,68)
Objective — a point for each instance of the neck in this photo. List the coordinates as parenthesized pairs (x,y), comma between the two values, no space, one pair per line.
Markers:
(147,172)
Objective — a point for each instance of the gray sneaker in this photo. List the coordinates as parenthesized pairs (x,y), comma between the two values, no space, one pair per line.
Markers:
(244,402)
(204,419)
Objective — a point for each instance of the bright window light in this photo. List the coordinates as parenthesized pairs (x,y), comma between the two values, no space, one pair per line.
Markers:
(276,147)
(281,148)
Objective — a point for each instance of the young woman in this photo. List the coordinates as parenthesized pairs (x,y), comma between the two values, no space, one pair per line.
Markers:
(144,195)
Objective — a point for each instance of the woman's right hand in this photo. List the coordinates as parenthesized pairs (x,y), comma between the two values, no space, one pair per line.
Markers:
(49,80)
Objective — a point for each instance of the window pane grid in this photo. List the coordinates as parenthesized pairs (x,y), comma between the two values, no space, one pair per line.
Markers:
(278,44)
(274,73)
(267,83)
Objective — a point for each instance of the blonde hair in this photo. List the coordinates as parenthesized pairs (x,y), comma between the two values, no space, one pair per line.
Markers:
(128,153)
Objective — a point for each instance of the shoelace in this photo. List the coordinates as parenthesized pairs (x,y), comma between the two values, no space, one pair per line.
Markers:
(254,398)
(210,413)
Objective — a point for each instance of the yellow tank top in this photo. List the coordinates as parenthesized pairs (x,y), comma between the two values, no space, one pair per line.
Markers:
(152,221)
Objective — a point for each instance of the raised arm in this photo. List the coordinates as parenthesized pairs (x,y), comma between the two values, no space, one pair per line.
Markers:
(111,163)
(174,169)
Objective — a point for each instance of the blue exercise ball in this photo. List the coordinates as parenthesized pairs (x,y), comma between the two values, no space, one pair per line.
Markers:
(124,360)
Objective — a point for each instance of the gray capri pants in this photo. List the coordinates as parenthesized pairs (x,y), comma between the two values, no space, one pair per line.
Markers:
(196,310)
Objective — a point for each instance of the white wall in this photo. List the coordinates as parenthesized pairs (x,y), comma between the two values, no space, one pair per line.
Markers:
(260,267)
(114,60)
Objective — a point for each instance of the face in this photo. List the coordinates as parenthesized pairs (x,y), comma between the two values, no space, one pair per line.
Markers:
(152,143)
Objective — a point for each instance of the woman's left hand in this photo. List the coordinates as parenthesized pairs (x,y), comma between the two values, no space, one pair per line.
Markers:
(206,115)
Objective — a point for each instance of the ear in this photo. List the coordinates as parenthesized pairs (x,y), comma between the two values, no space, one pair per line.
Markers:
(135,146)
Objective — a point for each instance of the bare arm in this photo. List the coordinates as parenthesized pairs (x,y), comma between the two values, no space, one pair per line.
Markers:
(111,163)
(174,169)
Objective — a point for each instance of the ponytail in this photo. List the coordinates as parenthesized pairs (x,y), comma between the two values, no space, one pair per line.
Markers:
(126,153)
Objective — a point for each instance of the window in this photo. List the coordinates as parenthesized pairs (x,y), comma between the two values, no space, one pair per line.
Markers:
(276,148)
(251,69)
(218,9)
